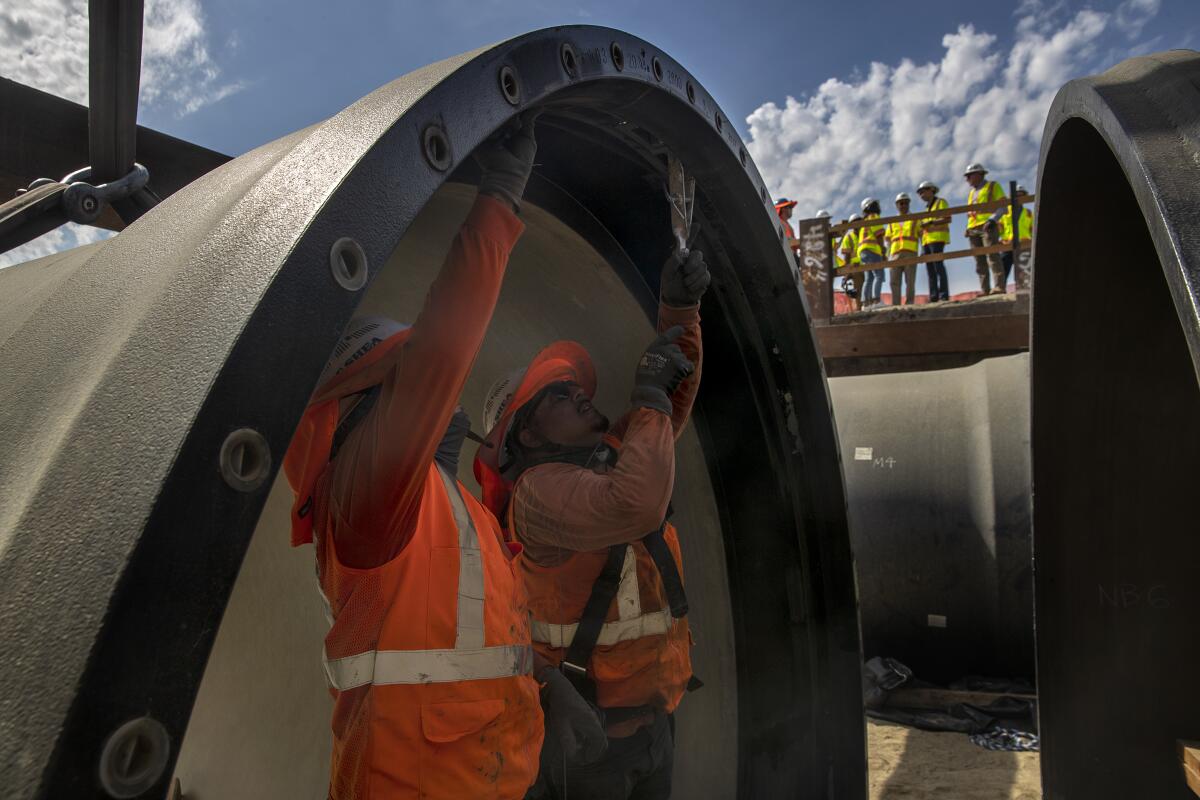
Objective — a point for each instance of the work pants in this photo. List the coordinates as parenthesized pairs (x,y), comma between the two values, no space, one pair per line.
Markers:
(985,236)
(939,284)
(636,767)
(872,278)
(909,274)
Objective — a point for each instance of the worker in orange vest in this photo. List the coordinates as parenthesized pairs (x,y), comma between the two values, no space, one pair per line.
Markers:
(590,504)
(428,656)
(785,208)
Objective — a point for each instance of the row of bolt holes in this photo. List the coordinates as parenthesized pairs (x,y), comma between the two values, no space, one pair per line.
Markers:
(437,147)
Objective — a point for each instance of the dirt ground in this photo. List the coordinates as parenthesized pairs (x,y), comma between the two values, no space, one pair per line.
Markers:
(907,763)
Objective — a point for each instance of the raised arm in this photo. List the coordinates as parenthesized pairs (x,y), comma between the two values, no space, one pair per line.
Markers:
(379,476)
(566,507)
(683,284)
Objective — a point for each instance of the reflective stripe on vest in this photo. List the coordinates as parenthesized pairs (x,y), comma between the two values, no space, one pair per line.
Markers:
(902,237)
(631,623)
(988,191)
(469,660)
(867,242)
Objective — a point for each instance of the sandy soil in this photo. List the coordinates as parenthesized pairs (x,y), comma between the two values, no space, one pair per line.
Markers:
(907,763)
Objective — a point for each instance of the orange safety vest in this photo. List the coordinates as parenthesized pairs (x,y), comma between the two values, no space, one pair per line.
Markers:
(643,654)
(428,660)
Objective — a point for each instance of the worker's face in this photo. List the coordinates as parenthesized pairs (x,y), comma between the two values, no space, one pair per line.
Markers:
(785,212)
(902,206)
(974,179)
(925,194)
(565,416)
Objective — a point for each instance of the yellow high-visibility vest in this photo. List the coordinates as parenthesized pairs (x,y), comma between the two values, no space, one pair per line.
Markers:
(902,237)
(847,251)
(867,241)
(1024,227)
(931,230)
(986,193)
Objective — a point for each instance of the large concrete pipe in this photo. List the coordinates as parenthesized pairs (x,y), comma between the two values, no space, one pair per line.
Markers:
(937,481)
(152,383)
(1116,430)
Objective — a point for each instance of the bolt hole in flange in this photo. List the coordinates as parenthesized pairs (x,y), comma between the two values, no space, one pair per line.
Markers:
(742,156)
(348,263)
(691,93)
(720,122)
(656,65)
(618,56)
(509,85)
(437,148)
(567,55)
(134,758)
(245,459)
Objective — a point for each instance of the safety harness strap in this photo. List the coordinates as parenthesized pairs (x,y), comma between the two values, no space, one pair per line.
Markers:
(347,426)
(591,621)
(604,590)
(668,570)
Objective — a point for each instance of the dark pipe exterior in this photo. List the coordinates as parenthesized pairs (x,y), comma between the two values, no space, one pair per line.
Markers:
(1116,435)
(128,364)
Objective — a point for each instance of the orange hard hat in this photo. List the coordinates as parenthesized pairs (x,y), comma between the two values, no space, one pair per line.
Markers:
(562,361)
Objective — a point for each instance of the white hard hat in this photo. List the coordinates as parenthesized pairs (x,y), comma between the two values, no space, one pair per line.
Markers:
(974,167)
(867,203)
(822,214)
(360,338)
(1021,189)
(928,185)
(497,398)
(855,217)
(903,196)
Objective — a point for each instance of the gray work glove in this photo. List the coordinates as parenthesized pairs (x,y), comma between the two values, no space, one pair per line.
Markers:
(573,727)
(660,370)
(684,281)
(450,447)
(507,159)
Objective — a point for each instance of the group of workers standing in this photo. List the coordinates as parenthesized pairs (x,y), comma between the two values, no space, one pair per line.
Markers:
(531,643)
(878,244)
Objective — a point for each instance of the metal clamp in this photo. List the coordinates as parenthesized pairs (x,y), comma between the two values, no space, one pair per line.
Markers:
(568,668)
(83,203)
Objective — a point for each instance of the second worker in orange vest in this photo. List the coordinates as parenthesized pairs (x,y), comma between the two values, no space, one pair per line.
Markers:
(601,562)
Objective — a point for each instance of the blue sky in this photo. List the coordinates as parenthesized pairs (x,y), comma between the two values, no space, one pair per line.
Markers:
(830,88)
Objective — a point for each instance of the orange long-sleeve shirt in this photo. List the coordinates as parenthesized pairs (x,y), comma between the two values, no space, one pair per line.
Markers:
(562,508)
(377,478)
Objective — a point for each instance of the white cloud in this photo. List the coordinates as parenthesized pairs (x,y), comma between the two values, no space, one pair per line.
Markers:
(61,238)
(44,44)
(885,131)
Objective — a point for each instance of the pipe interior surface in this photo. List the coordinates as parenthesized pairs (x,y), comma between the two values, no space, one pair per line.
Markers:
(937,482)
(1116,434)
